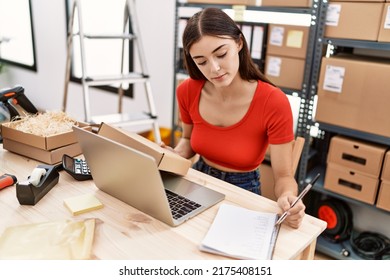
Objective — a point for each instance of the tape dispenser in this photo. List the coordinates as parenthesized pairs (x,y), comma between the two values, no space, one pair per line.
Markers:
(42,179)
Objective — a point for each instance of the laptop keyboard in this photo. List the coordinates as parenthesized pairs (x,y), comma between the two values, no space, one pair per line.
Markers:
(180,206)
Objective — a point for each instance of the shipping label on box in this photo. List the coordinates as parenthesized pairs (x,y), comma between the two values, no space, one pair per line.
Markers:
(349,183)
(274,65)
(386,17)
(384,32)
(360,156)
(334,77)
(333,15)
(276,35)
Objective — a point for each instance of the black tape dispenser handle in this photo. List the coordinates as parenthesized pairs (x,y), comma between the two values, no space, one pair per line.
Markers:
(39,183)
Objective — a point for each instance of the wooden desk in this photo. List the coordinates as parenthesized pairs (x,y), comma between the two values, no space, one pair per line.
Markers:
(123,232)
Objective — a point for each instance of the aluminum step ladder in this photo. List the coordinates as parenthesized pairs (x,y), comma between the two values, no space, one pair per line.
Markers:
(119,119)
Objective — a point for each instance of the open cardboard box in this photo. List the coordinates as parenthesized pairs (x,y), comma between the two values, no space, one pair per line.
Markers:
(49,149)
(165,159)
(51,142)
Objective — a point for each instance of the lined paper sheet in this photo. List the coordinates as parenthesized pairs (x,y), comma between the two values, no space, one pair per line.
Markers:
(241,233)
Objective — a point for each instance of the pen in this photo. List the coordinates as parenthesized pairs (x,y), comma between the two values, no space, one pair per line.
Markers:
(300,196)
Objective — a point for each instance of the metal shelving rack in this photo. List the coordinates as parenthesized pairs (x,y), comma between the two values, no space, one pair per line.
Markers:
(334,250)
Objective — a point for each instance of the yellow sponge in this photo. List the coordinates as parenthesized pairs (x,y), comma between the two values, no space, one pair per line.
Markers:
(83,203)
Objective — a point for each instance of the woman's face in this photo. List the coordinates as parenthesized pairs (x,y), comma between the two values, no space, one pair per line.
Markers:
(217,58)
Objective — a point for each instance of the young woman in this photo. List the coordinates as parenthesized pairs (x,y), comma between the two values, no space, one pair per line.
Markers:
(231,113)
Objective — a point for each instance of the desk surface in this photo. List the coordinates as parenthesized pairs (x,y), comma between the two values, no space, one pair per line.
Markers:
(123,232)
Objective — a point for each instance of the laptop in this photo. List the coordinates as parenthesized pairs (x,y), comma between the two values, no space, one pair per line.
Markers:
(133,177)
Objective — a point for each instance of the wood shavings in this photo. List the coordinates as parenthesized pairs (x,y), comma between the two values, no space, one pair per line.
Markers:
(46,124)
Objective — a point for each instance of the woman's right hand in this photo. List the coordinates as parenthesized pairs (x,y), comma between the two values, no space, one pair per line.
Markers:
(163,145)
(183,148)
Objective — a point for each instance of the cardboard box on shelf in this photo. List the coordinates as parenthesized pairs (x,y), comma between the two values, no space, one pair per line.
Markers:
(359,21)
(269,3)
(228,2)
(47,156)
(287,3)
(386,167)
(353,92)
(384,31)
(383,200)
(287,40)
(42,142)
(366,1)
(285,72)
(357,155)
(165,159)
(350,183)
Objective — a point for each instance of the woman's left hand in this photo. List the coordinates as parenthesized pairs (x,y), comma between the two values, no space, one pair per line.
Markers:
(295,214)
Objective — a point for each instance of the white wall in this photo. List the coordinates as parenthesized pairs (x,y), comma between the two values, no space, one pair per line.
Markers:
(46,86)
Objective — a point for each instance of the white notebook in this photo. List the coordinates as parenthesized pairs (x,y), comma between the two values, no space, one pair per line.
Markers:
(241,233)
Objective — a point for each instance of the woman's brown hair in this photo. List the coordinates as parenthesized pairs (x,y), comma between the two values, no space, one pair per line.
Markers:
(215,22)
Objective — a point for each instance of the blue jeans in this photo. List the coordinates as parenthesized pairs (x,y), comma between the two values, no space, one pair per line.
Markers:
(247,180)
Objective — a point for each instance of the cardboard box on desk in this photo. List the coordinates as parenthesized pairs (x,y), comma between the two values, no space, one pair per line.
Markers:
(357,155)
(165,159)
(41,142)
(351,183)
(358,21)
(353,92)
(47,149)
(47,156)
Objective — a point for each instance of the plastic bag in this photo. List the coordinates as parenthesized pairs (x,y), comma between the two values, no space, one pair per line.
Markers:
(61,240)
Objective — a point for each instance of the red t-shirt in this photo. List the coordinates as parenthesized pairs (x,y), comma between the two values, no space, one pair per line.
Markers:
(241,146)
